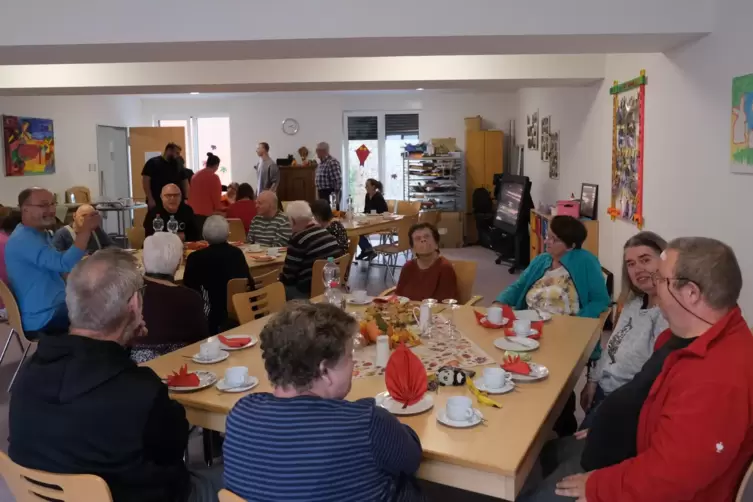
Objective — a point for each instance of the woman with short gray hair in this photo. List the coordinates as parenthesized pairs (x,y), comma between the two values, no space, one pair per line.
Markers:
(173,314)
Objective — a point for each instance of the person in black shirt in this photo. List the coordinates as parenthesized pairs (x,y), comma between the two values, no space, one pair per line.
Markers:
(374,203)
(161,171)
(171,205)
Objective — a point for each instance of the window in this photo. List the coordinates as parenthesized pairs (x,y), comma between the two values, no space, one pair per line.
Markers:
(204,135)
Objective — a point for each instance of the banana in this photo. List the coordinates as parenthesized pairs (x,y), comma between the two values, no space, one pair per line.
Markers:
(481,396)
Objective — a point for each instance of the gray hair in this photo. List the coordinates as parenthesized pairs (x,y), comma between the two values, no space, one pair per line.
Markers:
(299,210)
(323,146)
(99,289)
(216,229)
(163,252)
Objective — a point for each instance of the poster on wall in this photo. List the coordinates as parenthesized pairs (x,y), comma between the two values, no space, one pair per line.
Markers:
(554,155)
(29,146)
(546,123)
(532,131)
(741,144)
(627,150)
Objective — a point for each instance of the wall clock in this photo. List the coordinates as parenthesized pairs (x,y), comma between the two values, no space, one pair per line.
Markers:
(290,126)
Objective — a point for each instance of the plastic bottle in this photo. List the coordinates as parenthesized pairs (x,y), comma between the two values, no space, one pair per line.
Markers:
(172,225)
(158,224)
(331,277)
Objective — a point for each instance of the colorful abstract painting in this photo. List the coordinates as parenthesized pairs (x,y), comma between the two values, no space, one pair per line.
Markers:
(741,138)
(29,146)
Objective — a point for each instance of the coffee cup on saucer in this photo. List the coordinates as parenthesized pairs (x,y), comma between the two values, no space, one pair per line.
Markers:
(254,248)
(209,350)
(273,252)
(495,378)
(494,315)
(459,409)
(236,376)
(358,296)
(522,327)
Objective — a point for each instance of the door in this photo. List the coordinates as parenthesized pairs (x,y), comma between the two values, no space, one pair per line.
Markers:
(114,171)
(148,142)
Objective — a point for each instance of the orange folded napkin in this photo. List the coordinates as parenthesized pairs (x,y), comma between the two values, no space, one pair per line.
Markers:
(235,342)
(405,376)
(537,325)
(515,365)
(182,378)
(484,321)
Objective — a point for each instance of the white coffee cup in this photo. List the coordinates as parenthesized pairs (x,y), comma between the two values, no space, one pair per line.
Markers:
(522,327)
(459,409)
(359,295)
(274,252)
(373,211)
(494,315)
(495,378)
(236,376)
(254,248)
(209,350)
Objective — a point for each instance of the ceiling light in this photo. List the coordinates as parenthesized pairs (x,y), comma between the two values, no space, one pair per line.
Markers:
(194,93)
(420,89)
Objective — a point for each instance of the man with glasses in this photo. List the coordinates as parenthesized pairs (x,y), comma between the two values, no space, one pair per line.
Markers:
(35,268)
(172,205)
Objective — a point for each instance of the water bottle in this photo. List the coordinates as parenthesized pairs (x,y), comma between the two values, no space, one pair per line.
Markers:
(332,291)
(350,208)
(333,201)
(172,225)
(158,224)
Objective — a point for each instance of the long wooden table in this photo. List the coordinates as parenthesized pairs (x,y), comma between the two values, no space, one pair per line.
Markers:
(493,459)
(368,225)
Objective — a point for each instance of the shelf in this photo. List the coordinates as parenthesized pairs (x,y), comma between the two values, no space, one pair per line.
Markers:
(445,173)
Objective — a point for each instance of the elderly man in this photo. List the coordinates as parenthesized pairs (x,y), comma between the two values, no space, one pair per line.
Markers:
(163,170)
(695,424)
(35,267)
(65,236)
(310,242)
(269,227)
(328,176)
(81,406)
(172,206)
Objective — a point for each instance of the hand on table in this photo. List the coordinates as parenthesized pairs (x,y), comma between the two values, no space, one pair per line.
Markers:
(587,396)
(573,486)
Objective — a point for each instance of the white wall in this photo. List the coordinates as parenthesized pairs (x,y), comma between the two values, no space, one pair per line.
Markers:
(688,189)
(75,122)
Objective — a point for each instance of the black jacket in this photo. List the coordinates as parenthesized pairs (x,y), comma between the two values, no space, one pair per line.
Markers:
(81,406)
(375,203)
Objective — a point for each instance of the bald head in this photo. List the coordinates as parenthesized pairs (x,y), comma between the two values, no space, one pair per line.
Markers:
(81,212)
(267,204)
(171,197)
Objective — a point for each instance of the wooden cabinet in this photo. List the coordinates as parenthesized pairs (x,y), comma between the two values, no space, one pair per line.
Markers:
(540,225)
(297,183)
(483,159)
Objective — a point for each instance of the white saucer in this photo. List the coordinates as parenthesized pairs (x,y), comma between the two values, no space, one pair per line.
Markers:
(507,387)
(505,320)
(206,379)
(538,372)
(365,301)
(254,341)
(384,400)
(460,424)
(197,358)
(516,343)
(533,315)
(251,382)
(532,332)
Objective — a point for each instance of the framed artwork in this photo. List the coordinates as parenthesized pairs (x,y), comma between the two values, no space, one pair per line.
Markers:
(29,146)
(629,101)
(546,123)
(532,131)
(589,200)
(554,155)
(741,142)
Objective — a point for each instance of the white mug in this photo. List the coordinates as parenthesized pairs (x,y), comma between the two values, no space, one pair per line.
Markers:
(209,350)
(236,376)
(382,351)
(424,316)
(358,296)
(522,327)
(460,409)
(254,248)
(494,315)
(495,378)
(373,211)
(274,252)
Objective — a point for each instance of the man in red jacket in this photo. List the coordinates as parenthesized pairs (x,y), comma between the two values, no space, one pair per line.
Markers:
(695,436)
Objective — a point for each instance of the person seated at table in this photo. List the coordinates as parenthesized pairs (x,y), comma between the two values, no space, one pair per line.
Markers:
(428,275)
(8,224)
(35,267)
(304,440)
(244,207)
(81,406)
(270,227)
(173,314)
(206,191)
(208,271)
(324,218)
(171,205)
(309,243)
(374,203)
(64,237)
(640,323)
(230,195)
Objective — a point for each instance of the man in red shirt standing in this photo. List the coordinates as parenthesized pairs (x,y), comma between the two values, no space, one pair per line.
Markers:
(206,192)
(695,435)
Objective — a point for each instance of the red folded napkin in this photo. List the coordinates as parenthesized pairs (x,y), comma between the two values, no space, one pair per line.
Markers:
(235,342)
(507,312)
(515,365)
(484,321)
(405,376)
(183,378)
(537,325)
(387,299)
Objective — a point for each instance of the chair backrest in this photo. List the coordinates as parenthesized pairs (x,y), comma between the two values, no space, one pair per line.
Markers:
(234,286)
(237,230)
(285,205)
(408,208)
(745,492)
(264,280)
(29,485)
(228,496)
(429,217)
(136,237)
(11,307)
(317,286)
(465,272)
(80,194)
(262,302)
(391,205)
(403,231)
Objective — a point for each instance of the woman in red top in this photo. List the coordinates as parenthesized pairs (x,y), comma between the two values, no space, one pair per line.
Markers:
(206,191)
(244,206)
(428,275)
(231,195)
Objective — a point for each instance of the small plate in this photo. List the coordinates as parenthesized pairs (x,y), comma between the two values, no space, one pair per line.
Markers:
(533,315)
(384,400)
(365,301)
(206,379)
(505,320)
(223,355)
(538,372)
(516,344)
(251,382)
(477,418)
(507,387)
(254,341)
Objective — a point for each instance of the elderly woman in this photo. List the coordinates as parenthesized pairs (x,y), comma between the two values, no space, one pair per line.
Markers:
(324,217)
(64,237)
(173,314)
(428,275)
(308,354)
(208,271)
(309,243)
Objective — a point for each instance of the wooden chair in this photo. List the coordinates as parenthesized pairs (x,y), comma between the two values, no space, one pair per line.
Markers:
(317,285)
(81,194)
(234,287)
(16,328)
(228,496)
(465,272)
(745,492)
(136,237)
(391,251)
(237,230)
(264,280)
(265,301)
(30,485)
(407,208)
(391,206)
(432,217)
(285,205)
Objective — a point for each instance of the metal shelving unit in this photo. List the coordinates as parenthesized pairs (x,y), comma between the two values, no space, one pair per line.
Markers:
(438,182)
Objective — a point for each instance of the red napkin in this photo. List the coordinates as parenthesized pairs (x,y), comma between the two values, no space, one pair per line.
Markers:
(483,321)
(507,312)
(405,376)
(537,325)
(235,342)
(515,365)
(183,378)
(387,299)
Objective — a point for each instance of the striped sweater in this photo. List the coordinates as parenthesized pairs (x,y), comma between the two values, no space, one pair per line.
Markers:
(310,244)
(318,450)
(273,232)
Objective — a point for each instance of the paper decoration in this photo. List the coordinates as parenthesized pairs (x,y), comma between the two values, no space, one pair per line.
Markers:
(362,152)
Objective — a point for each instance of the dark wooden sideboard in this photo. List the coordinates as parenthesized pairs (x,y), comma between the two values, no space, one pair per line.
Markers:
(297,183)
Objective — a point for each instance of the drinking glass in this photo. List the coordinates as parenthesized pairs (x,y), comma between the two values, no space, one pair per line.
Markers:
(428,333)
(452,304)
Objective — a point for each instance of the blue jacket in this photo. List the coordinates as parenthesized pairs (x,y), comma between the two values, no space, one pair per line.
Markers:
(585,271)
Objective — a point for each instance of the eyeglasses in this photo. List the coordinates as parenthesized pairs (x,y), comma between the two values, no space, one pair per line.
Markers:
(657,279)
(43,206)
(172,195)
(142,292)
(553,238)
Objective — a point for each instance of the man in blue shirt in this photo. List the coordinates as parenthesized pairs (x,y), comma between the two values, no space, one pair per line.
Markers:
(35,268)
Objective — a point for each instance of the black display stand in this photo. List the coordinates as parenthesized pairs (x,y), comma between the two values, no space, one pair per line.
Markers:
(510,237)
